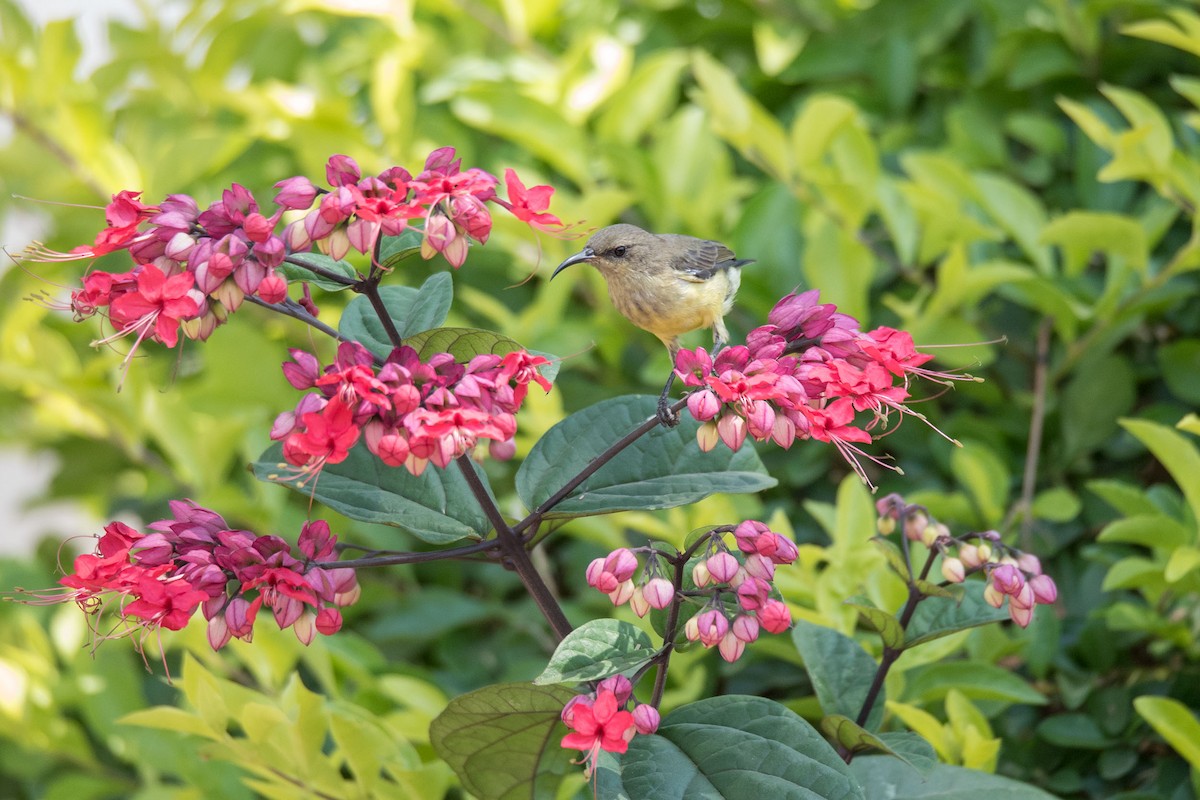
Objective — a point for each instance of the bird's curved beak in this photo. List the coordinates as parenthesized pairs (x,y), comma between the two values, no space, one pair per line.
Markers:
(584,255)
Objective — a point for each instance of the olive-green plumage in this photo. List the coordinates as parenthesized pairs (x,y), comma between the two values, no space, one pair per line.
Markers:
(667,283)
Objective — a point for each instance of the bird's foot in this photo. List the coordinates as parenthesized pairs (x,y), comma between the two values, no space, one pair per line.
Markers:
(666,415)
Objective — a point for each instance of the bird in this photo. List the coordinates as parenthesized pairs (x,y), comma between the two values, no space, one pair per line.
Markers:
(665,283)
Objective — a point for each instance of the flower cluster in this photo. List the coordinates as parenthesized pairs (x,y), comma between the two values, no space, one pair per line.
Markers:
(599,721)
(739,592)
(1011,574)
(195,560)
(409,412)
(192,268)
(807,374)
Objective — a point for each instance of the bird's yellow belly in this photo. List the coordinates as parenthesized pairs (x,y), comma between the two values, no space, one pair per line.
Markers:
(671,308)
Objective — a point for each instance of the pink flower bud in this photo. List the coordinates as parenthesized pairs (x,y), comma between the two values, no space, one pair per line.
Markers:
(747,534)
(969,555)
(753,593)
(731,647)
(218,632)
(760,567)
(700,575)
(619,685)
(775,617)
(598,578)
(638,604)
(502,451)
(1022,615)
(952,569)
(691,628)
(784,431)
(722,566)
(273,288)
(914,524)
(622,563)
(932,533)
(305,627)
(890,506)
(297,192)
(1045,591)
(329,621)
(783,550)
(1007,579)
(985,552)
(732,430)
(342,171)
(707,436)
(646,719)
(712,627)
(760,419)
(993,596)
(1024,597)
(622,594)
(1029,564)
(703,405)
(659,592)
(745,627)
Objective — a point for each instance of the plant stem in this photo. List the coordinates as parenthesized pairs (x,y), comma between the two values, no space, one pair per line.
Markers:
(289,308)
(669,632)
(322,272)
(890,654)
(370,287)
(414,558)
(595,464)
(513,548)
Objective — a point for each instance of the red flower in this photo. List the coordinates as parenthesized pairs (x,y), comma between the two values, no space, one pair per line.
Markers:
(159,303)
(529,205)
(598,725)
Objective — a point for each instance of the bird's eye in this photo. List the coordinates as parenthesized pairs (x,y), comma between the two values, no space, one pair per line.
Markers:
(620,250)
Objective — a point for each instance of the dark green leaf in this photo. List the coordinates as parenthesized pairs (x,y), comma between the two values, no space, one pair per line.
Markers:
(1076,731)
(596,650)
(931,589)
(412,311)
(729,748)
(888,779)
(908,747)
(295,269)
(1093,401)
(936,617)
(436,507)
(663,469)
(840,670)
(502,741)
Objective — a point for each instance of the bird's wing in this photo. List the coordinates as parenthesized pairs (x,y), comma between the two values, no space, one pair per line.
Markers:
(702,259)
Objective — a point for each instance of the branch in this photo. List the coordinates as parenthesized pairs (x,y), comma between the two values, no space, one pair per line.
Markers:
(413,558)
(595,464)
(513,548)
(290,308)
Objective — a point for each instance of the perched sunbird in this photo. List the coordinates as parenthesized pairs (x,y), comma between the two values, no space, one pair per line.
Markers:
(665,283)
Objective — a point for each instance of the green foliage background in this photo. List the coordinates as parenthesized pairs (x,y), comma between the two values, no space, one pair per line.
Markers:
(1021,175)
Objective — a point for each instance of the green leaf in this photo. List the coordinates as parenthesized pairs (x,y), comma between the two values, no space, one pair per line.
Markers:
(295,269)
(1156,531)
(931,589)
(1184,34)
(1178,366)
(740,119)
(936,617)
(1076,730)
(889,779)
(880,621)
(169,718)
(894,556)
(596,650)
(840,670)
(466,343)
(1181,562)
(436,506)
(984,475)
(395,249)
(662,469)
(1093,401)
(912,748)
(1128,499)
(1175,722)
(502,740)
(730,748)
(1059,504)
(1175,452)
(412,311)
(1082,233)
(977,680)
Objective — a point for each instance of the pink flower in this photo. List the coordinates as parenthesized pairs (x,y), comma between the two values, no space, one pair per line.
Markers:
(529,205)
(597,726)
(157,306)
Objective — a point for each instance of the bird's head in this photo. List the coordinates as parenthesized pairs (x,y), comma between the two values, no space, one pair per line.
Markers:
(614,249)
